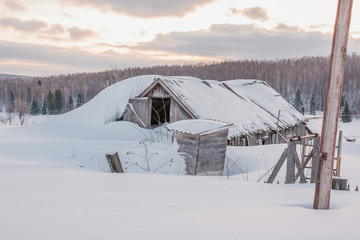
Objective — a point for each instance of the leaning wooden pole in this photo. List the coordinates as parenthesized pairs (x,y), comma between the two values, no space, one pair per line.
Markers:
(332,105)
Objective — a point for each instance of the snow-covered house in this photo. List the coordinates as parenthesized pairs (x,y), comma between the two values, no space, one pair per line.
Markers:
(257,111)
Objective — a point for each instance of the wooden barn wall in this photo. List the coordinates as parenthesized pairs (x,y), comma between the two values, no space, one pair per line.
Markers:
(273,137)
(177,113)
(142,107)
(212,152)
(188,148)
(158,92)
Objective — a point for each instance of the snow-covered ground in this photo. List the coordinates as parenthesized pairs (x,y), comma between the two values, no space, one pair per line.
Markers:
(55,184)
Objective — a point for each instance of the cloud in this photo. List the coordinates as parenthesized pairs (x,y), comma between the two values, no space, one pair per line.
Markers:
(255,13)
(43,30)
(56,29)
(78,34)
(20,25)
(144,9)
(287,28)
(14,6)
(52,55)
(38,60)
(228,41)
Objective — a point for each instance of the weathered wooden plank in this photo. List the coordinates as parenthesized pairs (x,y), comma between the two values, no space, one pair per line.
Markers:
(299,167)
(159,92)
(290,164)
(114,163)
(211,156)
(184,136)
(306,161)
(141,107)
(315,159)
(341,183)
(338,158)
(215,138)
(278,166)
(177,113)
(188,143)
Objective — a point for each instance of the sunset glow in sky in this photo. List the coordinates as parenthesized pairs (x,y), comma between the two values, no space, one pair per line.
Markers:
(43,37)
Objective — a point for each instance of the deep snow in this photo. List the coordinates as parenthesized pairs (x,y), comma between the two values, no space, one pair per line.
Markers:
(55,184)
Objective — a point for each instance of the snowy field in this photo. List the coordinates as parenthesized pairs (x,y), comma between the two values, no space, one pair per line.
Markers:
(55,184)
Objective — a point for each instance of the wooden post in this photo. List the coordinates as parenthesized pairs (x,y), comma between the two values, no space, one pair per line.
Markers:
(303,152)
(338,159)
(332,105)
(290,163)
(315,159)
(277,127)
(114,163)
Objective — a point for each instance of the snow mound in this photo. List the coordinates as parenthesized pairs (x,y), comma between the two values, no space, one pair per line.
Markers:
(109,104)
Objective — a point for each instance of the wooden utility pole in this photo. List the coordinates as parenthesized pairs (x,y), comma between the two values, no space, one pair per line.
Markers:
(332,105)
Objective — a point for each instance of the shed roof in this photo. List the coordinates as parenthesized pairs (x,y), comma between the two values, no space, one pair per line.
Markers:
(198,126)
(251,105)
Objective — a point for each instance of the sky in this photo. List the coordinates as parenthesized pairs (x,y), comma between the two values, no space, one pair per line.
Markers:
(46,37)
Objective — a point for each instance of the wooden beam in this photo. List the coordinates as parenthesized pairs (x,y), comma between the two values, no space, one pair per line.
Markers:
(299,167)
(277,166)
(306,161)
(339,149)
(290,163)
(114,163)
(131,109)
(315,159)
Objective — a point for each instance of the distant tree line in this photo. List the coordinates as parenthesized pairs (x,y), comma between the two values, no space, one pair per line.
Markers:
(302,78)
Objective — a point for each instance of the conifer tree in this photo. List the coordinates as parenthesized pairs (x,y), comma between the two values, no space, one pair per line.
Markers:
(79,100)
(342,101)
(298,103)
(34,108)
(71,102)
(12,99)
(312,105)
(58,101)
(28,96)
(44,108)
(346,115)
(50,103)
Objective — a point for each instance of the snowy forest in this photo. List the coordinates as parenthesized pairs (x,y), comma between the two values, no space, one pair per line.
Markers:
(305,77)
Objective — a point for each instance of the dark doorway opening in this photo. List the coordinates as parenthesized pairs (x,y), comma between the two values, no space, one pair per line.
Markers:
(160,110)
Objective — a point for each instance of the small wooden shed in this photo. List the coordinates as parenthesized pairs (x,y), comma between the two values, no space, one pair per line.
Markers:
(203,145)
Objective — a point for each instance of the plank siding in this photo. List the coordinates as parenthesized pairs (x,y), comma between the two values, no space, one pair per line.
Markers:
(188,148)
(177,113)
(212,153)
(142,107)
(204,154)
(158,92)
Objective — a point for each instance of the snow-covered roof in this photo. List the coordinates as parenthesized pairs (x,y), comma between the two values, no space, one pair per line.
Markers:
(251,105)
(198,126)
(267,98)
